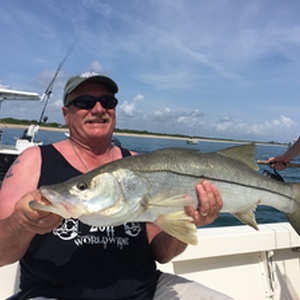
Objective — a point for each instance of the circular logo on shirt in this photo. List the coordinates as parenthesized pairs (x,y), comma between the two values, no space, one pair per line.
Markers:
(132,229)
(68,230)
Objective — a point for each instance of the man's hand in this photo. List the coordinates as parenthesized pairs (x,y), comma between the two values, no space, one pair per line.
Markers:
(36,222)
(209,204)
(20,227)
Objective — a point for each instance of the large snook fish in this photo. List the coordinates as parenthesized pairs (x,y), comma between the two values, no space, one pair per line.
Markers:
(155,187)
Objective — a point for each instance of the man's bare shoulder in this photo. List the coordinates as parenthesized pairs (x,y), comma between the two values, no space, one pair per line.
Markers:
(28,157)
(21,178)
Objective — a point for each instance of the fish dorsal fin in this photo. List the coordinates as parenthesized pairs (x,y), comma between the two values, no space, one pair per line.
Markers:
(244,153)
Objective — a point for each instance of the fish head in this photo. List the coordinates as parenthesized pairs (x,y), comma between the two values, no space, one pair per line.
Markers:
(84,194)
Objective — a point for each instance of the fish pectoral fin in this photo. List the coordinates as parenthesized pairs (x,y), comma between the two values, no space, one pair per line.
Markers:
(180,226)
(174,201)
(247,216)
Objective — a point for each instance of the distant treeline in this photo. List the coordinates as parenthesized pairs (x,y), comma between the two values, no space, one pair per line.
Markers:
(145,132)
(13,121)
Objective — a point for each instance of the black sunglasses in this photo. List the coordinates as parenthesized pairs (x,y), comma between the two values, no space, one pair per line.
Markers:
(88,102)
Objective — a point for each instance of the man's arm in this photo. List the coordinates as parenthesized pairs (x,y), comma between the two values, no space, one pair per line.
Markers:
(18,222)
(17,230)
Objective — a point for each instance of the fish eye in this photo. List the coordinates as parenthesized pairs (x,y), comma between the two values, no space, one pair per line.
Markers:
(81,186)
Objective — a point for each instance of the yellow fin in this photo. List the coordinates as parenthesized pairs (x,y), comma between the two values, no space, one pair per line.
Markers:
(180,226)
(247,216)
(244,153)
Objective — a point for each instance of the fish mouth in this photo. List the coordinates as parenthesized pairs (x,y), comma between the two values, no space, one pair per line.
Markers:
(59,203)
(51,196)
(54,198)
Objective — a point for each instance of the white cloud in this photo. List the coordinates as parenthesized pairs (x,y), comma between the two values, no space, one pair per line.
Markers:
(276,127)
(185,61)
(129,109)
(97,67)
(138,97)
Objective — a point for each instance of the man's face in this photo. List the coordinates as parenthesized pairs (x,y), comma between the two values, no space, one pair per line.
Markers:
(96,122)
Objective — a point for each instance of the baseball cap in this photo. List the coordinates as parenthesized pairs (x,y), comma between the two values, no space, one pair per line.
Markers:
(75,81)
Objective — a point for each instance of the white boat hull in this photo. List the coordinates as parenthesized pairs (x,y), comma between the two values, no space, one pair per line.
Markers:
(238,261)
(244,263)
(8,153)
(192,141)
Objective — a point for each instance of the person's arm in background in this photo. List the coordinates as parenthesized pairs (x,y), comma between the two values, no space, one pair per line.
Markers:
(279,162)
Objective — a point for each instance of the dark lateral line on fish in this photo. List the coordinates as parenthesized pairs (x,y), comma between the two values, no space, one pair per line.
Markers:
(250,186)
(228,182)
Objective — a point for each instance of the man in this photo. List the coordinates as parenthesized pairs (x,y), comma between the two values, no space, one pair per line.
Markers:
(66,259)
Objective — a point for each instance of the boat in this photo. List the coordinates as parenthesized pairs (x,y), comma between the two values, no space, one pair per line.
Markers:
(8,94)
(192,141)
(243,263)
(237,260)
(8,153)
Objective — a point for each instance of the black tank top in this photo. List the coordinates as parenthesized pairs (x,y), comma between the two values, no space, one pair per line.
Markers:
(77,261)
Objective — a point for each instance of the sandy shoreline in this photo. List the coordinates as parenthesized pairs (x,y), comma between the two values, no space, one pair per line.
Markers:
(116,133)
(3,125)
(145,135)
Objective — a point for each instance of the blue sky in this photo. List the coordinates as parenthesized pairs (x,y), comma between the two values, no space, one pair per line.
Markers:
(224,69)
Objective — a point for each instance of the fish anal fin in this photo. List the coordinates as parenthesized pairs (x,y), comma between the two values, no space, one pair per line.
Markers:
(247,216)
(245,153)
(180,226)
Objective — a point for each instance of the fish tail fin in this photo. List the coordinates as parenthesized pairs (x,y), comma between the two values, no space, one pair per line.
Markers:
(294,215)
(180,226)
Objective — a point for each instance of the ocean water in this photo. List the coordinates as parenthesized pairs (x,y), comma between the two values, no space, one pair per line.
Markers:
(264,214)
